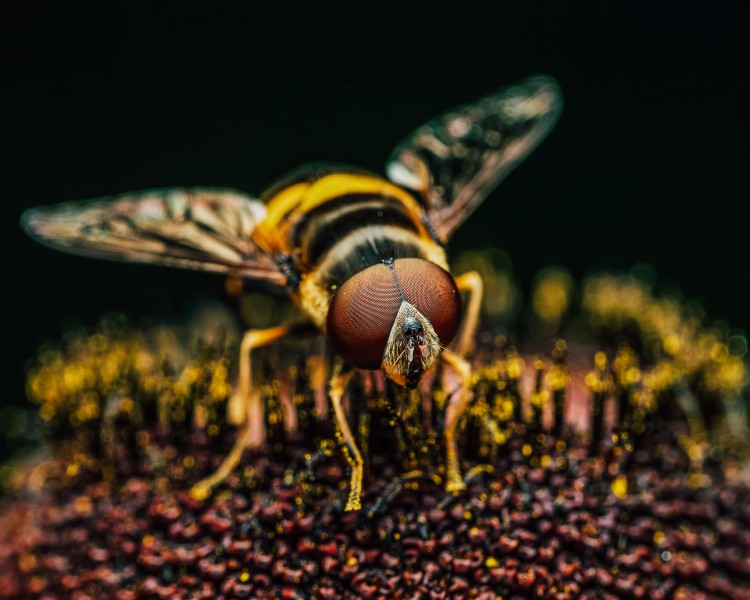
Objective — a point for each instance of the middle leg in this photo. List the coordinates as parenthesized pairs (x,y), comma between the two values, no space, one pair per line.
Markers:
(341,375)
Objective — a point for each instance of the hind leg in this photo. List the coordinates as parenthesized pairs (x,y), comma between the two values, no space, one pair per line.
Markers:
(244,407)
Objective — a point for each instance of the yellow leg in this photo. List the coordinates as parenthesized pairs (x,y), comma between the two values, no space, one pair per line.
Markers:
(471,283)
(244,407)
(345,438)
(453,411)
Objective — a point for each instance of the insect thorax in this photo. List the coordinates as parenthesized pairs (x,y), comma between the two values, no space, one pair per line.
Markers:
(333,225)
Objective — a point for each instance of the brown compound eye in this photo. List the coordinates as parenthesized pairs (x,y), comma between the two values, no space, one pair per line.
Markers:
(433,292)
(364,309)
(361,316)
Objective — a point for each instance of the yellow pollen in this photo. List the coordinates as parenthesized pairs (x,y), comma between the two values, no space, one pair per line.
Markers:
(619,486)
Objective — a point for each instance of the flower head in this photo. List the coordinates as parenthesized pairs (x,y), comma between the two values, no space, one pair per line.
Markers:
(610,463)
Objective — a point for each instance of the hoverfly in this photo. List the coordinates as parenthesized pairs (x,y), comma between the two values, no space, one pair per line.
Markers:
(362,256)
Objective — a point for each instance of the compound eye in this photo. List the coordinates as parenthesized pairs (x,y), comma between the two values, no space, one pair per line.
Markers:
(433,292)
(361,316)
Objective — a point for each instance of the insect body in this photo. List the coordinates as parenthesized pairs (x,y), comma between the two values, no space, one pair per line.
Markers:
(363,257)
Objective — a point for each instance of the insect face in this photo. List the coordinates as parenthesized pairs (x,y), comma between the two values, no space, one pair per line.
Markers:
(413,347)
(395,315)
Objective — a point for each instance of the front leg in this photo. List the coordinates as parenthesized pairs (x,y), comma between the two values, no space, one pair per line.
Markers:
(341,376)
(457,404)
(471,283)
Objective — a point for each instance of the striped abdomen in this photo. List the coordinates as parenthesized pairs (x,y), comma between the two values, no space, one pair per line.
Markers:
(331,226)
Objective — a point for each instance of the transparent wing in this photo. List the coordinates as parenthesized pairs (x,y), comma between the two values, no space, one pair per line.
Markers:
(454,161)
(193,228)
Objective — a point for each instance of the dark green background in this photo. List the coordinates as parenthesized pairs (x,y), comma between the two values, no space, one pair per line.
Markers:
(648,163)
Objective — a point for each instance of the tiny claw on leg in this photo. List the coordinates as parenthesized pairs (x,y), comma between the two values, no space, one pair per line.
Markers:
(203,489)
(454,482)
(455,485)
(354,502)
(200,491)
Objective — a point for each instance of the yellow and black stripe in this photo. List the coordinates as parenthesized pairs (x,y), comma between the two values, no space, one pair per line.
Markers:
(326,224)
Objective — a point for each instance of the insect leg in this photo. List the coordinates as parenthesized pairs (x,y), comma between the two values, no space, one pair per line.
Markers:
(471,283)
(341,375)
(244,407)
(453,411)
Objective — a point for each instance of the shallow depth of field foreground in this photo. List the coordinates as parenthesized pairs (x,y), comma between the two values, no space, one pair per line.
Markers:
(605,455)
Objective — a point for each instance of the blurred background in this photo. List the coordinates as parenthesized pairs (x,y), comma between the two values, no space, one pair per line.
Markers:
(648,164)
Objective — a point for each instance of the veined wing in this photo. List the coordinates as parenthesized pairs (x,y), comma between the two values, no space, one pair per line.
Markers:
(454,161)
(194,228)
